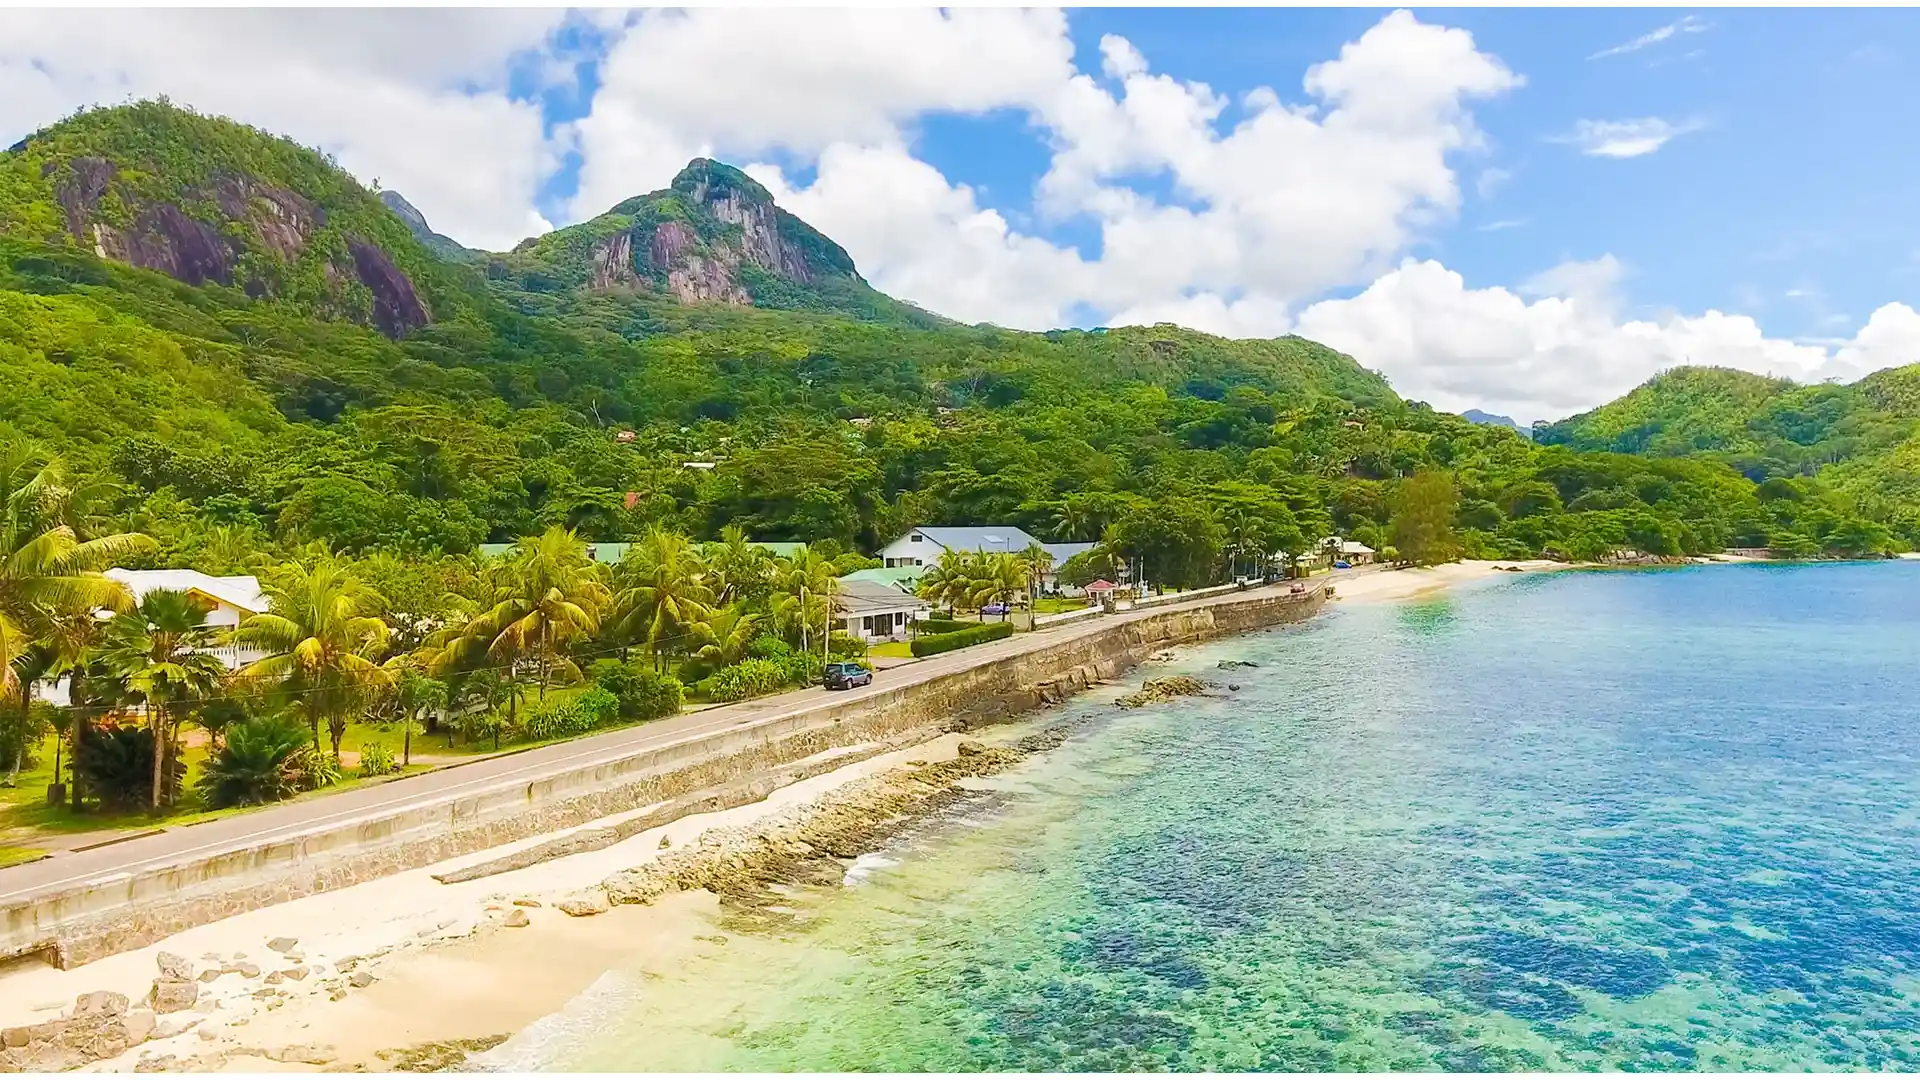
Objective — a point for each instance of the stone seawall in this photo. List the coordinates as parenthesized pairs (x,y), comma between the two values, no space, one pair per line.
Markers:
(700,773)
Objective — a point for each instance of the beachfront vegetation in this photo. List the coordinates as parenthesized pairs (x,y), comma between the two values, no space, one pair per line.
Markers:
(351,445)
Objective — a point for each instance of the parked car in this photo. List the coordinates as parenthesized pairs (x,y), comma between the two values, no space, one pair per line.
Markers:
(994,609)
(846,676)
(1343,565)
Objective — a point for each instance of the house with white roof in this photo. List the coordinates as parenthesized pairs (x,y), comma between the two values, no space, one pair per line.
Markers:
(876,611)
(924,545)
(230,600)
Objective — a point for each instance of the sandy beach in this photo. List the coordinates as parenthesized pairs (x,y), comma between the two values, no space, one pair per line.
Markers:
(408,962)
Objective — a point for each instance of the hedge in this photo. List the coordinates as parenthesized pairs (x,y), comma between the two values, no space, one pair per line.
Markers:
(939,625)
(932,644)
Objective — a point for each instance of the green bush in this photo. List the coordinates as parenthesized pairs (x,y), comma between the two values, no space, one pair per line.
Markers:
(934,644)
(937,625)
(117,763)
(757,676)
(259,762)
(560,717)
(639,692)
(312,769)
(377,760)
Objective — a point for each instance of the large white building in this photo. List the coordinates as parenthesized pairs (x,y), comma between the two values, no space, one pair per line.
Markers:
(231,601)
(923,546)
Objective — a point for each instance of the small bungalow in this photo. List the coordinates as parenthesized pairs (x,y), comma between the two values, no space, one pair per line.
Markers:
(1099,592)
(1352,552)
(872,611)
(230,601)
(904,578)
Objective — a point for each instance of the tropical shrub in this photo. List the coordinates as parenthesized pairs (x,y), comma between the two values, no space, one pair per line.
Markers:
(559,717)
(756,676)
(377,760)
(940,625)
(117,763)
(260,762)
(934,644)
(312,769)
(640,693)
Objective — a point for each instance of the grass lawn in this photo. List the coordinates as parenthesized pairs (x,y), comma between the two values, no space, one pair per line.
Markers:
(903,649)
(1054,605)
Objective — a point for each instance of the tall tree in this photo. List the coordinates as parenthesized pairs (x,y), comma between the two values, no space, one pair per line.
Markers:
(162,653)
(741,571)
(323,638)
(1422,526)
(555,596)
(48,564)
(663,593)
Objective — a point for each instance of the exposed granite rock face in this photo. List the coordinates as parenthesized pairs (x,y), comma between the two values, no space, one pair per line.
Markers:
(613,262)
(247,215)
(396,307)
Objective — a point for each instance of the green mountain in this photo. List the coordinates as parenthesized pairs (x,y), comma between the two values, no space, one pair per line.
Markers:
(1861,438)
(714,236)
(252,351)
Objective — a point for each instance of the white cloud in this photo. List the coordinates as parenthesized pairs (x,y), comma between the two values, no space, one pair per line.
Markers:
(1625,138)
(1567,350)
(1502,225)
(1490,181)
(1688,24)
(738,83)
(415,98)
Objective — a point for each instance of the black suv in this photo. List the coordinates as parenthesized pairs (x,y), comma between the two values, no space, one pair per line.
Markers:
(846,676)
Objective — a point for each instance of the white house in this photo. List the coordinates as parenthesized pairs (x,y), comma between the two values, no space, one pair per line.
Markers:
(1352,551)
(232,601)
(875,611)
(924,545)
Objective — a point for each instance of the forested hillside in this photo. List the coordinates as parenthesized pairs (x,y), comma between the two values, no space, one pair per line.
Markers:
(257,352)
(1861,440)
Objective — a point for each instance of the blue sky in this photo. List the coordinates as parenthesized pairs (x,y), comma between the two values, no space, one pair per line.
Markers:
(1769,229)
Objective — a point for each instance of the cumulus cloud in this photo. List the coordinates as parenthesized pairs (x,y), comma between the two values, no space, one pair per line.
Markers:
(1566,350)
(414,98)
(1625,138)
(739,83)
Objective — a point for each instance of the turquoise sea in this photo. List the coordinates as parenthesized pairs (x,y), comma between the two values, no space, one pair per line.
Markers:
(1611,820)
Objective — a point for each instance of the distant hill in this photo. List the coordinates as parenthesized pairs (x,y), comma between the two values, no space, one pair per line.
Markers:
(444,246)
(1492,420)
(713,237)
(1862,437)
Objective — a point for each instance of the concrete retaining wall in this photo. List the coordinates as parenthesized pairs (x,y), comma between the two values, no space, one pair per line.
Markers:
(701,772)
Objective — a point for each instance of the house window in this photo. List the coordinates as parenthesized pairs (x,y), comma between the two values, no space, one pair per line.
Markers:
(915,538)
(899,619)
(866,626)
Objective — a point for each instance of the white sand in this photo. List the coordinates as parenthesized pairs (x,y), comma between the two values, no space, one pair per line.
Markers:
(1373,586)
(445,967)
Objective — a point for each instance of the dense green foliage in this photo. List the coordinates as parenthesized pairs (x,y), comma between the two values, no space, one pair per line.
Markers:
(1854,449)
(935,644)
(240,428)
(259,763)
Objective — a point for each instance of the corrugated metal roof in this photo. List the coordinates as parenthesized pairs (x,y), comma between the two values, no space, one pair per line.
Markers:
(241,591)
(864,597)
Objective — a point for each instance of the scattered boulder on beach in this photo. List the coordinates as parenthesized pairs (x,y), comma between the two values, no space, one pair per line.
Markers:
(517,917)
(172,995)
(173,966)
(1229,665)
(627,887)
(526,901)
(1155,691)
(588,902)
(283,944)
(360,980)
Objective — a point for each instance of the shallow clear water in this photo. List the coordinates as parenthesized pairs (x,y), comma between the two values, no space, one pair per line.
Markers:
(1645,820)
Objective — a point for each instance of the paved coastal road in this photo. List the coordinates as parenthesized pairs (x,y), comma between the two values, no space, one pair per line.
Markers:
(64,871)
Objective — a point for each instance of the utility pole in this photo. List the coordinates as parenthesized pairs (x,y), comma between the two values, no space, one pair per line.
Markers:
(803,621)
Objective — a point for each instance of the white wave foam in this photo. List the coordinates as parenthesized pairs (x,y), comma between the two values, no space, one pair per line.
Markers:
(540,1045)
(866,866)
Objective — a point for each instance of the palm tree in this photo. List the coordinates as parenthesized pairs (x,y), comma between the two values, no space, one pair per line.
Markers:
(664,594)
(1036,562)
(1001,577)
(725,635)
(322,641)
(807,584)
(740,569)
(554,596)
(948,581)
(1243,539)
(161,649)
(46,568)
(68,648)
